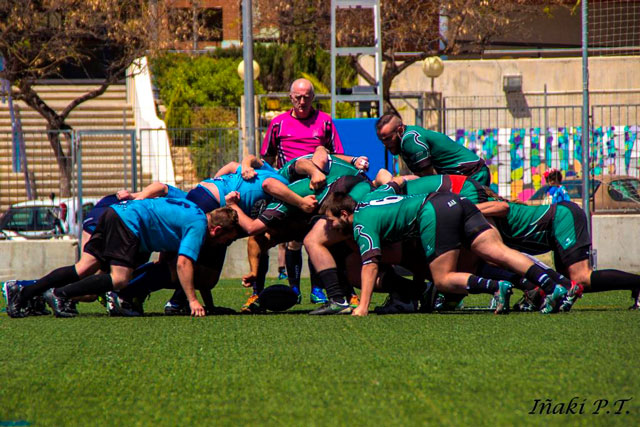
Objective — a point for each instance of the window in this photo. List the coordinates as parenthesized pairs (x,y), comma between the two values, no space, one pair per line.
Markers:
(624,190)
(210,24)
(195,24)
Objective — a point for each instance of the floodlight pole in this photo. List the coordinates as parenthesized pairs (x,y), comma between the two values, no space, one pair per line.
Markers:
(585,115)
(247,55)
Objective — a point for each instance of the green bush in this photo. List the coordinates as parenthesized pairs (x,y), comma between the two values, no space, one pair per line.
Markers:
(214,117)
(213,148)
(186,82)
(202,92)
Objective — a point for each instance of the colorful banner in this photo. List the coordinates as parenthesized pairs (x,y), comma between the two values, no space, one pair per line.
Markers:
(517,165)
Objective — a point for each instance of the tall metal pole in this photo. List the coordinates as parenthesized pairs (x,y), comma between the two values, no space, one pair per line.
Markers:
(585,114)
(247,54)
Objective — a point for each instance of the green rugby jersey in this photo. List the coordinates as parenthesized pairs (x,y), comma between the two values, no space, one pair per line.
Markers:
(421,148)
(278,210)
(456,184)
(384,217)
(528,228)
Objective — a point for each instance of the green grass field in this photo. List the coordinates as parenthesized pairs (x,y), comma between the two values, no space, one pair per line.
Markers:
(467,367)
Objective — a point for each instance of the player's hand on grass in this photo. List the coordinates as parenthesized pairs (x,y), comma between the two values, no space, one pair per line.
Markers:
(248,173)
(318,180)
(309,204)
(248,279)
(360,311)
(233,198)
(197,310)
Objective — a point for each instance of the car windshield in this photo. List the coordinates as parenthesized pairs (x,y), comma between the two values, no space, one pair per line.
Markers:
(573,187)
(32,218)
(624,190)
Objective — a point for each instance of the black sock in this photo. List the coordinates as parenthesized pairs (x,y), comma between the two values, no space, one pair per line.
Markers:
(524,285)
(418,289)
(329,280)
(293,260)
(57,278)
(281,270)
(263,266)
(148,278)
(496,273)
(92,285)
(558,278)
(538,276)
(179,297)
(479,285)
(347,288)
(610,280)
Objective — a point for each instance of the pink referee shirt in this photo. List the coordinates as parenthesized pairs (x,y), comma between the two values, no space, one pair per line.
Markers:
(288,137)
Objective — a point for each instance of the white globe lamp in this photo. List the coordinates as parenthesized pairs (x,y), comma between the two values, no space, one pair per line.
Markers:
(432,67)
(256,70)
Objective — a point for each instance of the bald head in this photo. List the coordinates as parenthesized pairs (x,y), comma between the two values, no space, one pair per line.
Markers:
(390,130)
(301,95)
(301,85)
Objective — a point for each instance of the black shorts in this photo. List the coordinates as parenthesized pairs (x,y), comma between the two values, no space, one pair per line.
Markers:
(113,243)
(450,223)
(571,241)
(91,220)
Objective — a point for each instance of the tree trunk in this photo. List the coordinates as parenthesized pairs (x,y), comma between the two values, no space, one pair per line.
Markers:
(63,160)
(391,71)
(55,122)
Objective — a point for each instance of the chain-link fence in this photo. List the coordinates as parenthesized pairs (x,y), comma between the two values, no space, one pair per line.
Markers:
(199,153)
(521,140)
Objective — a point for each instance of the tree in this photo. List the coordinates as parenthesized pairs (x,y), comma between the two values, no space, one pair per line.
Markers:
(40,38)
(407,26)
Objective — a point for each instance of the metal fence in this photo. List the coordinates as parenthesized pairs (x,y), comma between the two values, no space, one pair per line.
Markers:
(518,141)
(94,163)
(199,153)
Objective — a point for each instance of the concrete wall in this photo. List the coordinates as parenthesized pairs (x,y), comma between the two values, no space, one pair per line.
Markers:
(614,237)
(484,77)
(31,259)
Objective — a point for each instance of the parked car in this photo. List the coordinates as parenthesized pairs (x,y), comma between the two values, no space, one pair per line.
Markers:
(42,219)
(608,193)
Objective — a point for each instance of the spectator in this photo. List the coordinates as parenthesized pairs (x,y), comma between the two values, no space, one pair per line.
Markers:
(556,192)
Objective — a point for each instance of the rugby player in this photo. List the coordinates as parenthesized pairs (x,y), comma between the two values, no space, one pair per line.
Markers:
(284,222)
(123,231)
(444,223)
(426,152)
(561,228)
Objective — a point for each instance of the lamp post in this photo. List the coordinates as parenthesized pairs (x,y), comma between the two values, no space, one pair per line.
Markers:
(247,54)
(246,141)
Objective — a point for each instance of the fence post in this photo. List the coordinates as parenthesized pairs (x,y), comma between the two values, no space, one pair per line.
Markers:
(76,144)
(586,146)
(134,162)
